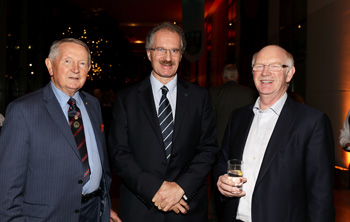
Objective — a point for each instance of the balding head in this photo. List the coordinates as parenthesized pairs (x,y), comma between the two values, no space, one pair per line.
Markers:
(276,52)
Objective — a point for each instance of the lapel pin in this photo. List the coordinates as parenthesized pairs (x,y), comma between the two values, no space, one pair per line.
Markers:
(86,103)
(102,127)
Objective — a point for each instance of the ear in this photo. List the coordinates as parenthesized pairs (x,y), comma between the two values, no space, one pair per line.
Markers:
(149,55)
(290,74)
(48,64)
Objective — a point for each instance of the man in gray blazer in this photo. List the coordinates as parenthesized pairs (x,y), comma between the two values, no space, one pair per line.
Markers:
(228,97)
(42,175)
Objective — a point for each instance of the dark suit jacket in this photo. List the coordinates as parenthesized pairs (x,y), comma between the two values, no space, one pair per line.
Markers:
(295,181)
(139,157)
(40,165)
(225,99)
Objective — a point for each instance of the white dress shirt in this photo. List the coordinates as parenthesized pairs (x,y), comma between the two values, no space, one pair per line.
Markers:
(259,135)
(344,137)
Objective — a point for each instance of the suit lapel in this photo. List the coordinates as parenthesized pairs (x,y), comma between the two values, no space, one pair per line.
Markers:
(279,135)
(146,101)
(58,117)
(93,116)
(182,102)
(238,142)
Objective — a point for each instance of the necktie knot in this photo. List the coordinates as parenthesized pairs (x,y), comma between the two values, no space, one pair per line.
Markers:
(165,90)
(72,103)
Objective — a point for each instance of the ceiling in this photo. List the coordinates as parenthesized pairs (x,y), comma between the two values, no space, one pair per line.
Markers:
(136,17)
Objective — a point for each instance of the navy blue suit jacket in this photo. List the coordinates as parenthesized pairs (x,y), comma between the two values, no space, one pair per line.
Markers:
(295,181)
(40,165)
(139,157)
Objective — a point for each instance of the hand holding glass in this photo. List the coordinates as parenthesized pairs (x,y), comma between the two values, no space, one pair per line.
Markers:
(235,173)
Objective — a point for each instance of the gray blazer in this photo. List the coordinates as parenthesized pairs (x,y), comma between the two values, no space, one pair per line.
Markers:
(40,166)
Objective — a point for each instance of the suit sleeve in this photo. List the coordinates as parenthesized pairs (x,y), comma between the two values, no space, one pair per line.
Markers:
(14,152)
(142,183)
(319,165)
(200,165)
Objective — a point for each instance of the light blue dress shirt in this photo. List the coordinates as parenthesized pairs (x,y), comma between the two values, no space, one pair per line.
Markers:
(171,95)
(94,157)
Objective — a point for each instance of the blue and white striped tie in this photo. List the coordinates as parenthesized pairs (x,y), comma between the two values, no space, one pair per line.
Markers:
(166,123)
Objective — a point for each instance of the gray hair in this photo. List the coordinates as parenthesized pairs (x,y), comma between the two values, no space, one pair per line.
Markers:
(56,44)
(230,72)
(169,27)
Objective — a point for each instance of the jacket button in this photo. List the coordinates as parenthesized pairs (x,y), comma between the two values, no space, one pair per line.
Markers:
(76,211)
(80,181)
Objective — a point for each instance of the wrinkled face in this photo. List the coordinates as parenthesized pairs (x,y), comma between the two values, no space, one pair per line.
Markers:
(69,69)
(272,84)
(165,65)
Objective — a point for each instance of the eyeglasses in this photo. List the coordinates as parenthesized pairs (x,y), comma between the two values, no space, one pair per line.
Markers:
(272,67)
(162,51)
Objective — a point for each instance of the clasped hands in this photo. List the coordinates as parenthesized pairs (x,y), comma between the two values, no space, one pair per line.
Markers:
(169,198)
(227,186)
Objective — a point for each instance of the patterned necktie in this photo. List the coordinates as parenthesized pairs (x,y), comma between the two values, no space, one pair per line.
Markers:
(77,127)
(166,123)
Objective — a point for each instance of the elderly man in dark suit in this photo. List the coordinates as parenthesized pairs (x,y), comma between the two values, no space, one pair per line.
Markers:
(163,139)
(287,149)
(53,156)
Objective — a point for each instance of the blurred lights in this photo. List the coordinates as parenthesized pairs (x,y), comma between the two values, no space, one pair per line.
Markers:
(96,53)
(341,168)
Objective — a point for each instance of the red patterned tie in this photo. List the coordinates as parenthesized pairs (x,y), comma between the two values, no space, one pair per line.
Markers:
(77,127)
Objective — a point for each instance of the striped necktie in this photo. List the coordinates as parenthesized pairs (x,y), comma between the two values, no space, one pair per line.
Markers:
(77,127)
(166,123)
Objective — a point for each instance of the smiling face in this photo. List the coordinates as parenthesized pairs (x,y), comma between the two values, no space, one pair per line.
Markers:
(272,84)
(69,68)
(165,65)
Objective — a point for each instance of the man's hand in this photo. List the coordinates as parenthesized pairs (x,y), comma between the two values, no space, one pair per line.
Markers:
(227,187)
(114,217)
(182,207)
(169,194)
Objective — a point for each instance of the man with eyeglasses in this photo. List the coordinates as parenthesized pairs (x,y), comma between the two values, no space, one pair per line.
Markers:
(163,139)
(287,150)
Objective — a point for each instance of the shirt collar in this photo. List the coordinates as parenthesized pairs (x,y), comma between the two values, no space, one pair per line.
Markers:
(62,97)
(156,84)
(276,107)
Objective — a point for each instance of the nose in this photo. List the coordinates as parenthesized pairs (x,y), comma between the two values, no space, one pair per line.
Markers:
(265,70)
(75,68)
(167,55)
